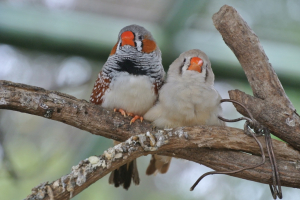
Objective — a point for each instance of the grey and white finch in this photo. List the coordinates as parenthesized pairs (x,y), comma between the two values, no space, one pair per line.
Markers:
(188,98)
(129,82)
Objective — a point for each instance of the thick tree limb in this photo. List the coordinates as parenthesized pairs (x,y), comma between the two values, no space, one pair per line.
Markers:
(94,168)
(221,148)
(100,121)
(270,105)
(67,109)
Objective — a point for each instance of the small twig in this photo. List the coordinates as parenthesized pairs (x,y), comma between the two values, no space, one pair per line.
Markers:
(259,130)
(247,130)
(276,191)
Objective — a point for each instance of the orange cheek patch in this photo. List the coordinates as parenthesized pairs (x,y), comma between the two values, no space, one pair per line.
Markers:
(148,46)
(114,49)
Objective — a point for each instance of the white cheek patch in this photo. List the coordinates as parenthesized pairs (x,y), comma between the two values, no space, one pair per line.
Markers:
(118,47)
(185,66)
(138,45)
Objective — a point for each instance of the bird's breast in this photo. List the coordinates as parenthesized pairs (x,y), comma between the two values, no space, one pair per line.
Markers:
(132,93)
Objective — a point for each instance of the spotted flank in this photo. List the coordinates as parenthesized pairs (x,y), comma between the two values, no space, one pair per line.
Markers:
(100,87)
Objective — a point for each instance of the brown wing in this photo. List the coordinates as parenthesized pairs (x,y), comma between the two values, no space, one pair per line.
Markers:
(100,87)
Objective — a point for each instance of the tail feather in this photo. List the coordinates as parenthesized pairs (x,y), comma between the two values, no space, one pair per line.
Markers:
(164,168)
(135,173)
(123,175)
(151,169)
(159,164)
(127,174)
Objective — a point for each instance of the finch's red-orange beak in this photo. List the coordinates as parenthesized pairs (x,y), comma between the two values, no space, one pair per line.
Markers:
(127,38)
(196,64)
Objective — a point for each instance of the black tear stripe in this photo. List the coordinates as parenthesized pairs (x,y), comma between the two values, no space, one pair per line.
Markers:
(180,69)
(131,67)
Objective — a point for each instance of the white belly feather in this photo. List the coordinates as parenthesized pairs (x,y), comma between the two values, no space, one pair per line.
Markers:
(185,105)
(134,94)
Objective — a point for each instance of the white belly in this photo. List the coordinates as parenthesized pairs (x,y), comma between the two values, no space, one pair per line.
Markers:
(134,94)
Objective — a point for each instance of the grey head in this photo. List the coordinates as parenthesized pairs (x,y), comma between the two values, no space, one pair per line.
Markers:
(190,65)
(136,38)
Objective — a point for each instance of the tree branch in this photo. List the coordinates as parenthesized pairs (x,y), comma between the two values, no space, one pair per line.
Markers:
(221,148)
(100,121)
(270,105)
(90,170)
(67,109)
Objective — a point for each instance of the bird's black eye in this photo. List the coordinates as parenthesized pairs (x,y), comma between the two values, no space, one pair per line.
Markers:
(140,37)
(184,60)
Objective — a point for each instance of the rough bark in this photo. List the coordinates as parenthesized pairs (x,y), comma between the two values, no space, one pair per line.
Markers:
(270,105)
(221,148)
(88,171)
(101,121)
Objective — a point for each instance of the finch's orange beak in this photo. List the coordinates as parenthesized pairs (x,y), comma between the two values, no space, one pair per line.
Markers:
(127,38)
(196,64)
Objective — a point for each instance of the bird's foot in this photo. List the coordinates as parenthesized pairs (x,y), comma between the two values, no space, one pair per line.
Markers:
(135,117)
(121,111)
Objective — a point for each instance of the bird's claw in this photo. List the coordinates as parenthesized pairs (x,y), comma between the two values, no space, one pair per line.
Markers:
(121,111)
(135,118)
